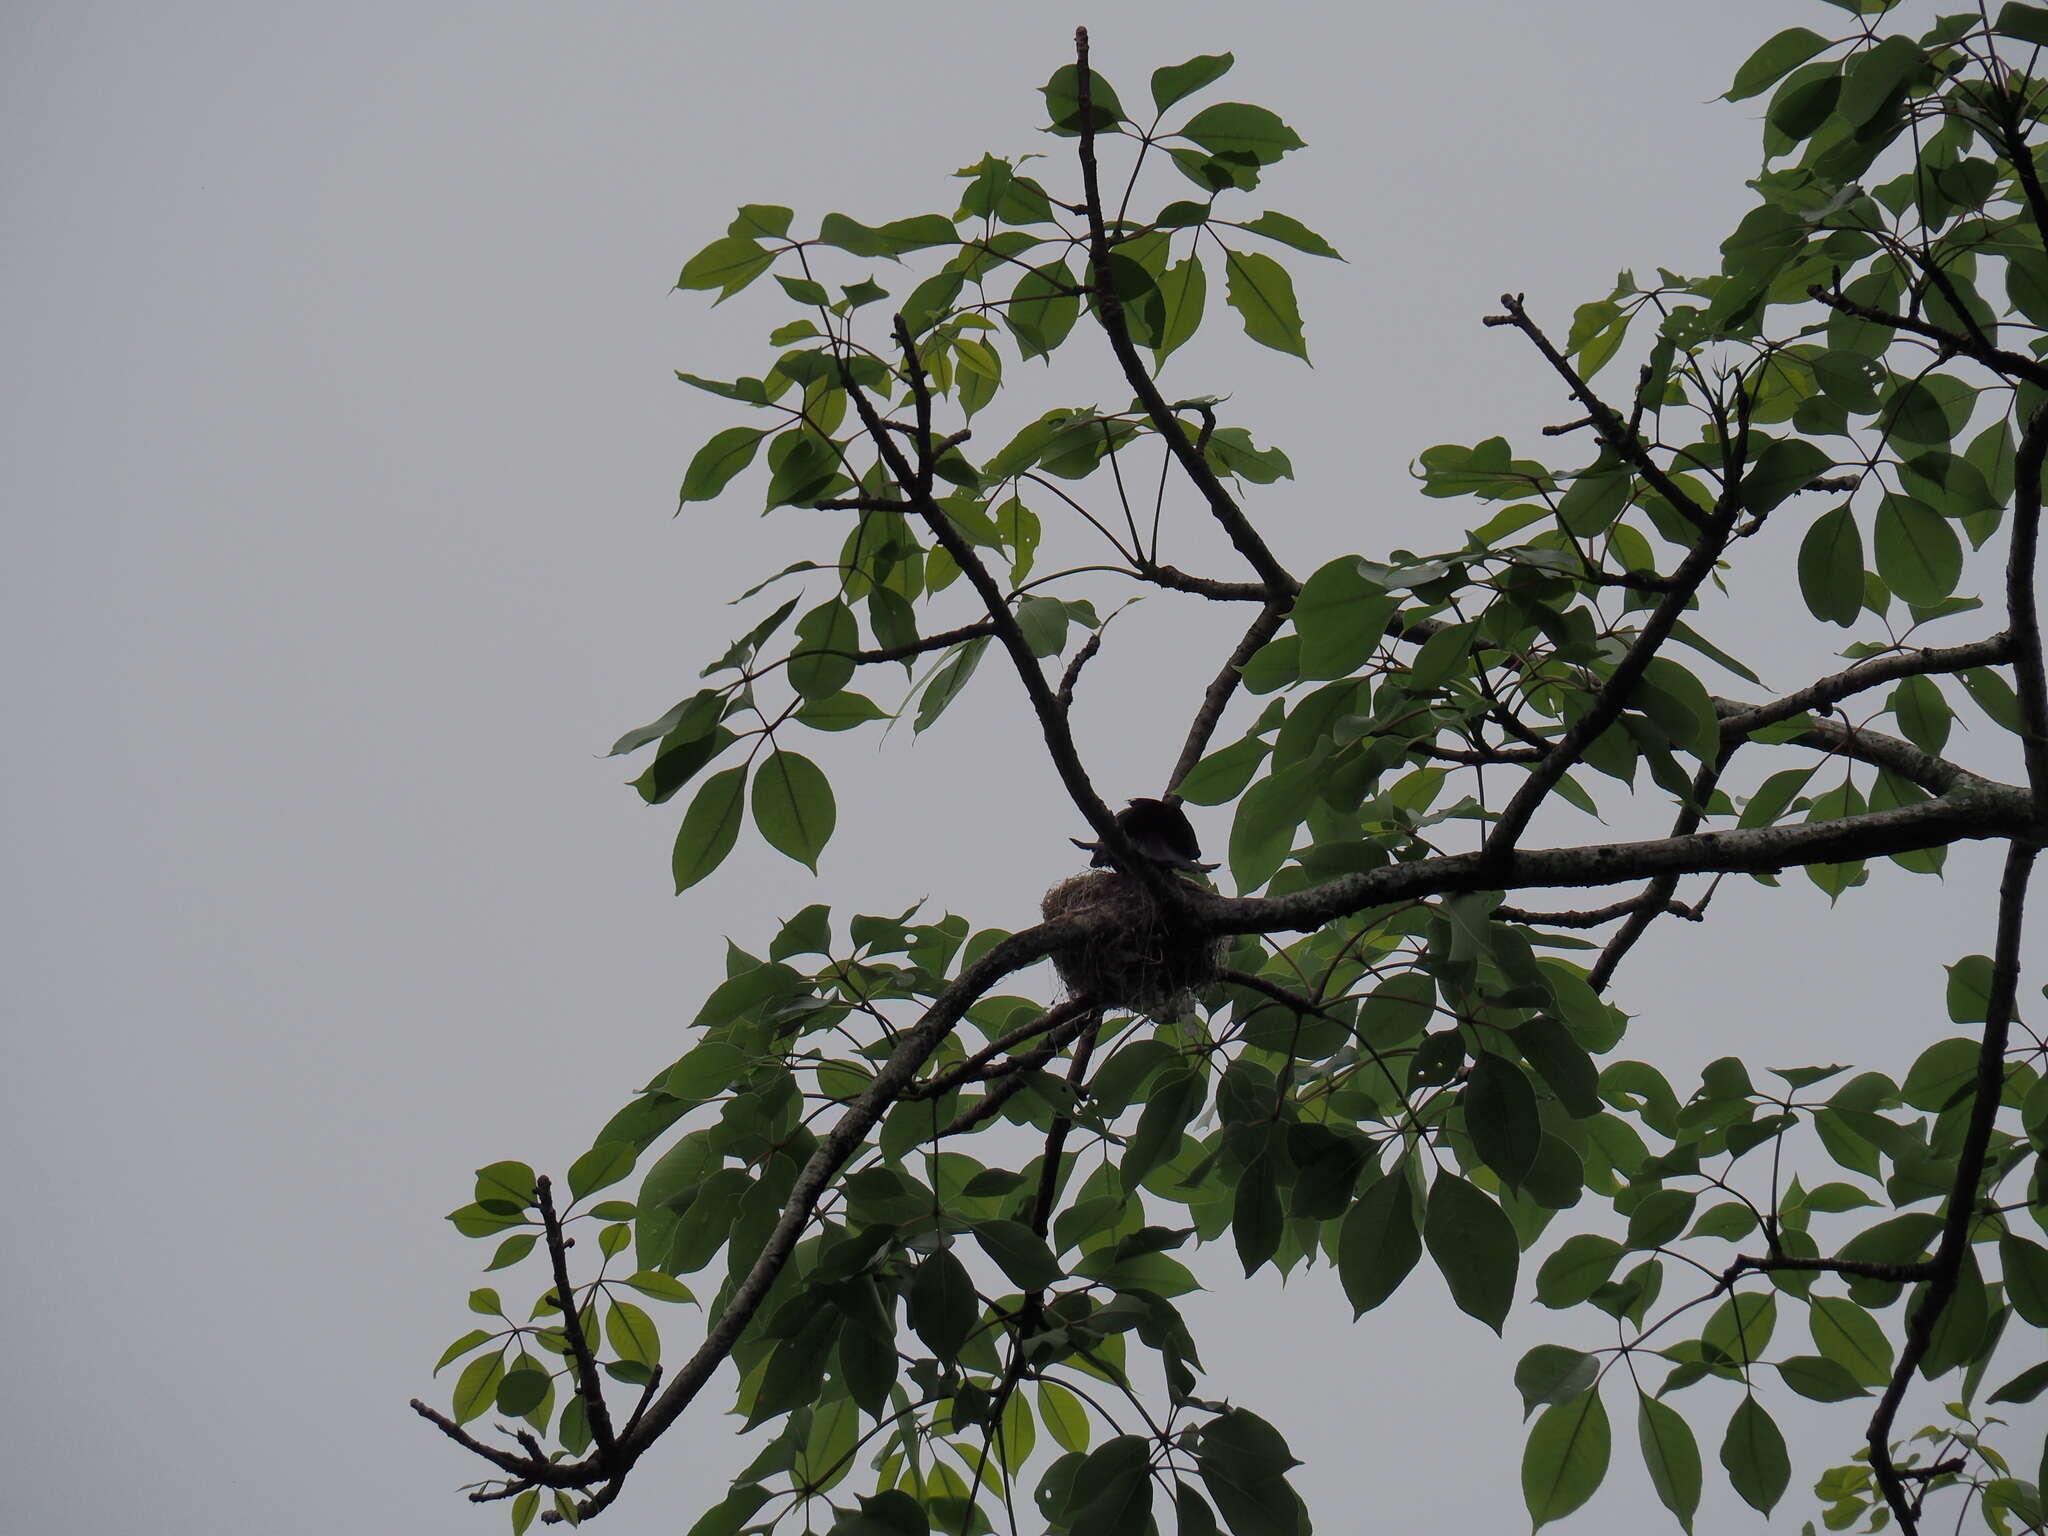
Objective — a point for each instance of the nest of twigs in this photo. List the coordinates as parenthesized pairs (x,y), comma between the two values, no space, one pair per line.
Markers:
(1137,955)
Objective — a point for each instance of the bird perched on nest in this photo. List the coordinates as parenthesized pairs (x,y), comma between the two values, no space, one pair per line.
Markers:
(1161,833)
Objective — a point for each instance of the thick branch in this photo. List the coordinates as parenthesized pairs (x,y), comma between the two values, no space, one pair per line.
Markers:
(1837,686)
(1973,808)
(2023,619)
(1947,1263)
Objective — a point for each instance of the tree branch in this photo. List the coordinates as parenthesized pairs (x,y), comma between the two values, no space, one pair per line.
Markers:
(2022,614)
(1613,430)
(1216,698)
(1972,808)
(1109,312)
(915,482)
(1837,686)
(1947,1263)
(1977,348)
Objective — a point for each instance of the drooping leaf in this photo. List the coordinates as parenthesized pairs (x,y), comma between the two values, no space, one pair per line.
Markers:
(710,827)
(1672,1456)
(1474,1244)
(1378,1244)
(1566,1457)
(1753,1452)
(1262,293)
(793,806)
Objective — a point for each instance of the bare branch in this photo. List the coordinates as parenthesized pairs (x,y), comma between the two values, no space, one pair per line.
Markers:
(587,1385)
(1615,432)
(1218,694)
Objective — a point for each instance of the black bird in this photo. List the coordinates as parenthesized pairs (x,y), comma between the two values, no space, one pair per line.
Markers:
(1159,831)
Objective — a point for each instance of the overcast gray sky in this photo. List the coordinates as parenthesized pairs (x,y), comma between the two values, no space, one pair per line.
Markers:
(340,446)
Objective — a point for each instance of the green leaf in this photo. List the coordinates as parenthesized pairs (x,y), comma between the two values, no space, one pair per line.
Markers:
(2023,1388)
(1262,832)
(1257,1219)
(661,1287)
(1580,1267)
(506,1186)
(1680,705)
(1063,101)
(1753,1452)
(764,221)
(1501,1117)
(604,1164)
(1918,553)
(1942,1073)
(1183,293)
(1064,1417)
(1741,1326)
(841,712)
(2025,1264)
(947,681)
(710,827)
(1831,567)
(688,721)
(1969,1002)
(718,461)
(1852,1338)
(1474,1244)
(476,1389)
(1176,82)
(1554,1051)
(1819,1378)
(1043,309)
(523,1389)
(793,806)
(1773,61)
(1378,1244)
(941,1307)
(1234,127)
(1995,696)
(1923,714)
(822,662)
(1290,232)
(1262,293)
(1781,469)
(1020,1253)
(1672,1456)
(1550,1373)
(461,1347)
(1113,1489)
(2028,23)
(1222,775)
(727,264)
(1341,617)
(1566,1457)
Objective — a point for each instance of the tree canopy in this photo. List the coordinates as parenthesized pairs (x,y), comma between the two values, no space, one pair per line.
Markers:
(934,1199)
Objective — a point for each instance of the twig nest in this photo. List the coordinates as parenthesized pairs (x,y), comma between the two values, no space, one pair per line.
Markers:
(1137,955)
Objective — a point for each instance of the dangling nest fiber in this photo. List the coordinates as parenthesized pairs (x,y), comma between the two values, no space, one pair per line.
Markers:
(1138,956)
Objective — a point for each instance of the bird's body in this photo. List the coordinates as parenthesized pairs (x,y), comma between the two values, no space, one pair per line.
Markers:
(1159,831)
